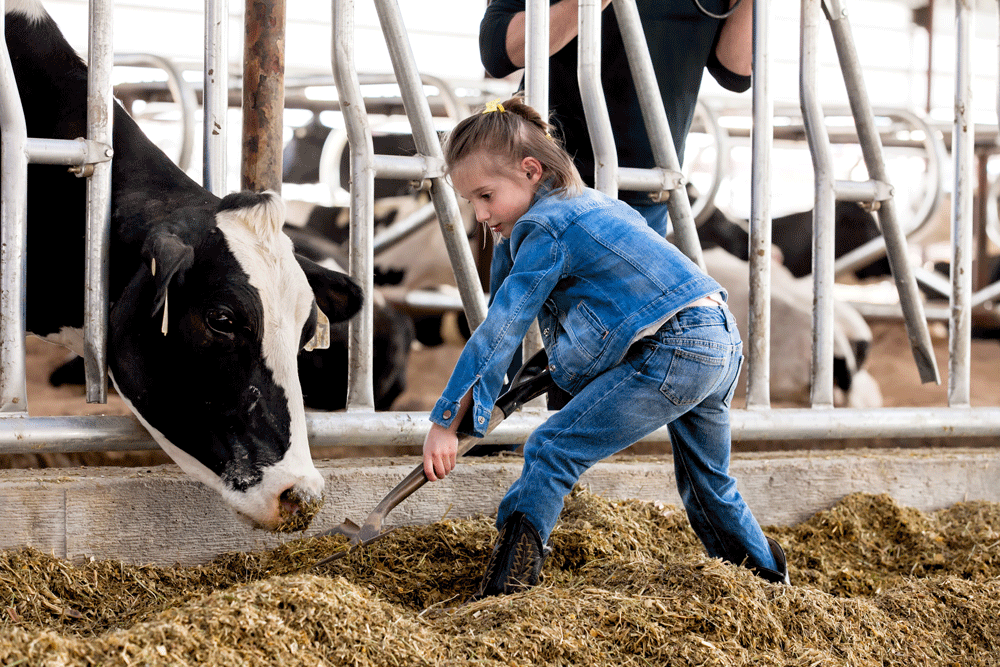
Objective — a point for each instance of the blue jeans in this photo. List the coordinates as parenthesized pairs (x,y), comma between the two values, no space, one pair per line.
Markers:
(684,377)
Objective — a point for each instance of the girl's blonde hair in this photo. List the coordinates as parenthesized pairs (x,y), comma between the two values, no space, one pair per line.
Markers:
(514,129)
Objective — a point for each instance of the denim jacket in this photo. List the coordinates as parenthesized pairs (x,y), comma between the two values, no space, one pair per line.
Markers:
(593,273)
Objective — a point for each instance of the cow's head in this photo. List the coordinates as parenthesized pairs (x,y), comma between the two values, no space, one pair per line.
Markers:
(203,348)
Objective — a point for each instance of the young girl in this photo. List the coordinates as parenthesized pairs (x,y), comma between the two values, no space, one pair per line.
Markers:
(634,331)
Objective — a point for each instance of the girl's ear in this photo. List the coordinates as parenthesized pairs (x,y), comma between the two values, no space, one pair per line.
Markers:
(532,168)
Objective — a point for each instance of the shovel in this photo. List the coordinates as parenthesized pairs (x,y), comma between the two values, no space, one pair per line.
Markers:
(531,381)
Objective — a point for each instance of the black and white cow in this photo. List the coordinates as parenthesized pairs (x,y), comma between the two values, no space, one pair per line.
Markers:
(322,370)
(792,235)
(209,304)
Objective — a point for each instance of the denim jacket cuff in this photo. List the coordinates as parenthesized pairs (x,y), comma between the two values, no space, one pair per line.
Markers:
(444,412)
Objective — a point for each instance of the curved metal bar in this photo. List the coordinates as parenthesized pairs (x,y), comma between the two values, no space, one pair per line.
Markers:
(993,212)
(936,156)
(454,106)
(400,230)
(179,89)
(700,209)
(360,381)
(594,105)
(823,210)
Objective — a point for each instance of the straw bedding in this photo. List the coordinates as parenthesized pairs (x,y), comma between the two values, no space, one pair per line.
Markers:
(628,584)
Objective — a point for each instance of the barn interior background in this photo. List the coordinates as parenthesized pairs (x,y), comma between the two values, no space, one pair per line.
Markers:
(906,48)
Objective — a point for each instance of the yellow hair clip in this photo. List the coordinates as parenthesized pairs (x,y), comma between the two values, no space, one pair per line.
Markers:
(493,106)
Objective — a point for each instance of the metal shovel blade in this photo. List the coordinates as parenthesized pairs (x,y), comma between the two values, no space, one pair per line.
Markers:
(531,381)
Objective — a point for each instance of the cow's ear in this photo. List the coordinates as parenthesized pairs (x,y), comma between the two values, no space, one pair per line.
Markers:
(337,295)
(167,256)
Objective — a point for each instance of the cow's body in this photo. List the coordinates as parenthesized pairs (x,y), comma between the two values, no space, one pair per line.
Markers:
(792,234)
(791,334)
(209,305)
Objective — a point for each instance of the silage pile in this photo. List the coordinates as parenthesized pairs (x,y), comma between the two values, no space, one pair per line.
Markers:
(876,584)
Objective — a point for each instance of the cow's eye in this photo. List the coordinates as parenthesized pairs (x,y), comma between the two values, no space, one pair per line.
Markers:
(220,320)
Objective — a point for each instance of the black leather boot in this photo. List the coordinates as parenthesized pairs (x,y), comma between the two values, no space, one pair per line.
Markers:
(516,562)
(779,576)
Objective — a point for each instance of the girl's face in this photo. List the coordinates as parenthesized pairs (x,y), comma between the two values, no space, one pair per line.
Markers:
(500,191)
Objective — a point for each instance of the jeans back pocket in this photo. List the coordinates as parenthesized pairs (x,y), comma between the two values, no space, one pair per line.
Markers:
(692,376)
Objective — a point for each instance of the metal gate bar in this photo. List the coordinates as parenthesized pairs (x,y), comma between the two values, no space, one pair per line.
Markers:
(430,165)
(871,147)
(100,121)
(823,210)
(667,176)
(360,393)
(759,252)
(95,152)
(376,430)
(13,211)
(963,151)
(215,97)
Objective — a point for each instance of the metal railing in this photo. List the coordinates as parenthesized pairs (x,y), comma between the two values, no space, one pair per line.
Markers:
(360,425)
(92,156)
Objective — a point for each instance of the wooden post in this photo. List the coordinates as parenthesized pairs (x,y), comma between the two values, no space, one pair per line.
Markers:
(263,95)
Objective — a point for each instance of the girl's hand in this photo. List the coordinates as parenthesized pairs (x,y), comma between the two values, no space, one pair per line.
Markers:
(440,450)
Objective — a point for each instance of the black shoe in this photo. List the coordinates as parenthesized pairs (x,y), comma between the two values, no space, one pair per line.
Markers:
(516,562)
(779,576)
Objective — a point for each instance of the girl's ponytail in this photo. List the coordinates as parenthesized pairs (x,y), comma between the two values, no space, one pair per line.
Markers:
(517,130)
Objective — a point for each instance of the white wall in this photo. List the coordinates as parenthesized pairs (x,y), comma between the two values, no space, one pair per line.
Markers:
(442,33)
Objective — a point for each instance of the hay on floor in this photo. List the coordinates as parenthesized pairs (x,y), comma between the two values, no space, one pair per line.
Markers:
(627,584)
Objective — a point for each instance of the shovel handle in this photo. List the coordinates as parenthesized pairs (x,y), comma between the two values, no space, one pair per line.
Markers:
(531,381)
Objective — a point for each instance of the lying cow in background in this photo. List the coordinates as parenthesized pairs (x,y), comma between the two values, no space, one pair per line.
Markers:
(417,264)
(792,235)
(322,371)
(210,306)
(791,334)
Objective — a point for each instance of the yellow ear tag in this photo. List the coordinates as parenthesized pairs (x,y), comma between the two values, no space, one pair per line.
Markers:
(320,339)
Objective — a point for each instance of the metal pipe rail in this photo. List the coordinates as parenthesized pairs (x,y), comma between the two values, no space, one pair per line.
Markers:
(39,435)
(215,97)
(362,179)
(963,150)
(92,155)
(100,120)
(823,211)
(762,137)
(13,211)
(657,127)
